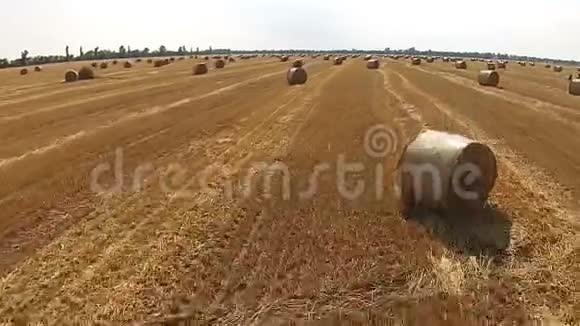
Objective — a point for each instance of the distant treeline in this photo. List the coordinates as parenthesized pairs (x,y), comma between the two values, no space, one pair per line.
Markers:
(126,52)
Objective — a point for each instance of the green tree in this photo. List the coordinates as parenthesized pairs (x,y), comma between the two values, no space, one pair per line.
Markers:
(82,53)
(122,51)
(162,49)
(24,57)
(67,53)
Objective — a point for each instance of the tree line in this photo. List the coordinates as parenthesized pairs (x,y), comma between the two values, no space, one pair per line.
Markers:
(126,52)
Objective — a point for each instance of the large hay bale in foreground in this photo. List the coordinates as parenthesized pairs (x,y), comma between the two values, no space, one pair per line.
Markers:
(415,61)
(558,68)
(460,64)
(488,78)
(574,87)
(38,68)
(200,69)
(128,64)
(86,73)
(23,71)
(220,63)
(104,65)
(373,64)
(296,76)
(445,171)
(71,75)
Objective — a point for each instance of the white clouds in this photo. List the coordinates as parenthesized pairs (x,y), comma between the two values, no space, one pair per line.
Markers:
(536,27)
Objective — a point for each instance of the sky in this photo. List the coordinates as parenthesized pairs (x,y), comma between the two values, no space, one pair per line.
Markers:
(542,28)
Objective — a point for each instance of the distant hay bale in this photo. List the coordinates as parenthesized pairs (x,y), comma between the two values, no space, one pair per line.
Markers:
(172,59)
(23,71)
(166,61)
(38,68)
(104,65)
(337,61)
(216,57)
(501,65)
(200,69)
(158,63)
(128,64)
(86,73)
(532,64)
(460,64)
(298,63)
(558,68)
(574,87)
(231,59)
(368,57)
(115,62)
(326,57)
(206,58)
(149,61)
(521,63)
(181,58)
(71,75)
(219,63)
(430,60)
(445,185)
(488,78)
(490,66)
(373,64)
(94,65)
(138,60)
(548,66)
(415,61)
(284,58)
(296,76)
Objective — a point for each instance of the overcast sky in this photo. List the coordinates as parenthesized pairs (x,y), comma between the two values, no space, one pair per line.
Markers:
(543,28)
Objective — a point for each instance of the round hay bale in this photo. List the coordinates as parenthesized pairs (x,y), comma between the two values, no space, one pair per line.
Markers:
(172,59)
(296,76)
(158,63)
(86,73)
(206,58)
(181,58)
(115,62)
(558,68)
(488,78)
(231,59)
(219,63)
(460,64)
(149,61)
(326,57)
(298,63)
(38,68)
(373,64)
(491,66)
(23,71)
(71,75)
(430,60)
(415,61)
(337,61)
(441,171)
(94,65)
(200,69)
(284,58)
(501,65)
(368,57)
(574,87)
(104,65)
(166,61)
(127,64)
(548,66)
(216,57)
(532,64)
(138,60)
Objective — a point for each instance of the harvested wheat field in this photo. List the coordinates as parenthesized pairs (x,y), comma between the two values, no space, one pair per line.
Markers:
(154,196)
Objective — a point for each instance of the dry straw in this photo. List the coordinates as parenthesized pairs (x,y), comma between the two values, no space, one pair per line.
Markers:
(488,78)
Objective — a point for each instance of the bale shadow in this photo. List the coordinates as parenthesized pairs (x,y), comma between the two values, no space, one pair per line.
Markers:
(483,231)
